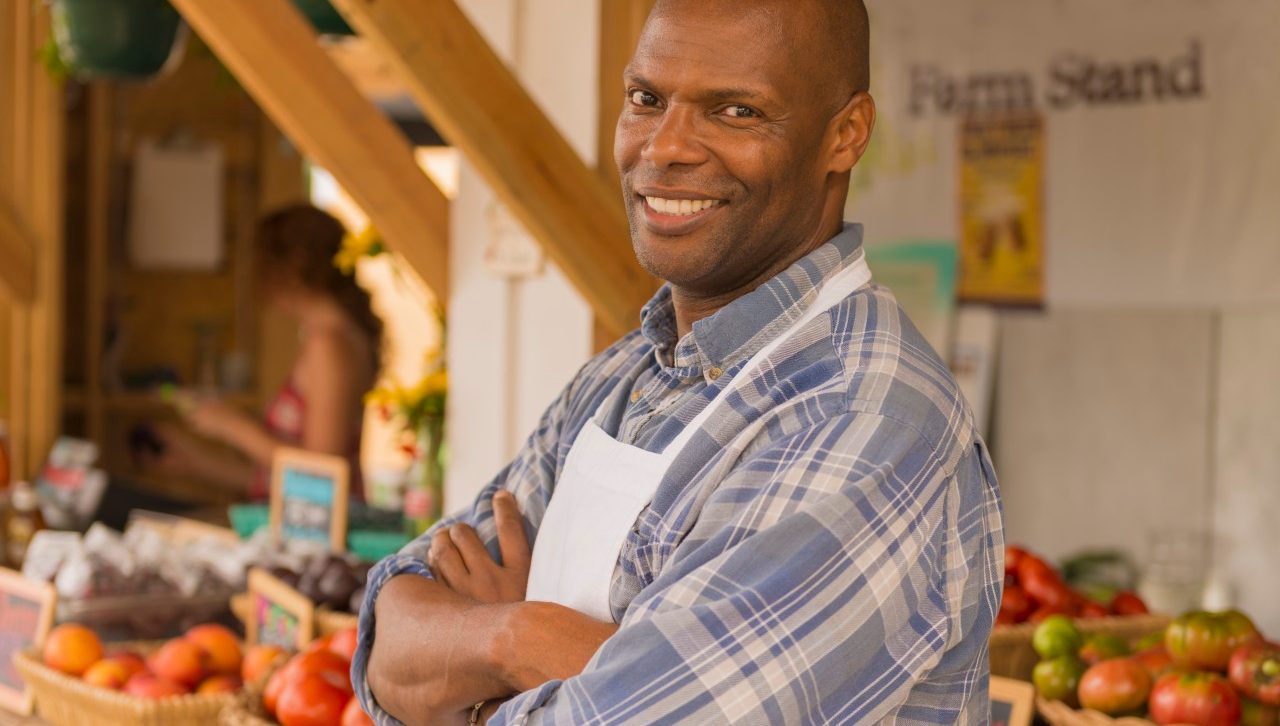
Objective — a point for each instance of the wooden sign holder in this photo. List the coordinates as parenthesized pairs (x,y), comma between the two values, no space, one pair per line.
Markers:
(13,584)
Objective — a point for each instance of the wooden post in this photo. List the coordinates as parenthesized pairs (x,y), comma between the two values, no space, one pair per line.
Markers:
(479,106)
(31,172)
(273,52)
(620,24)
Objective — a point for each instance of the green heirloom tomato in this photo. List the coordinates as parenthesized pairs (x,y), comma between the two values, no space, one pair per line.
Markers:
(1056,679)
(1055,636)
(1204,640)
(1255,670)
(1103,646)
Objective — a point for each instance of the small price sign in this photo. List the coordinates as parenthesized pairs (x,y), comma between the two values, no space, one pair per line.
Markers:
(309,498)
(1012,702)
(26,614)
(278,614)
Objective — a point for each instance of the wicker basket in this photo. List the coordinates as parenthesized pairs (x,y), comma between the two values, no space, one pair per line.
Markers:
(246,708)
(1058,713)
(65,700)
(328,622)
(1013,657)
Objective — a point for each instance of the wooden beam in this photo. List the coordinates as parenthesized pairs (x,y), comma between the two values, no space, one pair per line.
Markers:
(274,53)
(479,106)
(17,256)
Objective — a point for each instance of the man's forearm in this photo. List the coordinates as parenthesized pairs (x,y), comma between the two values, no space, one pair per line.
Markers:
(432,653)
(436,653)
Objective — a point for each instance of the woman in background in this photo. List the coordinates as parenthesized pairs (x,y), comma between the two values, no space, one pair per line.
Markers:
(320,407)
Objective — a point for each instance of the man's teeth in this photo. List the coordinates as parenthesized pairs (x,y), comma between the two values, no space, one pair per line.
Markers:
(680,207)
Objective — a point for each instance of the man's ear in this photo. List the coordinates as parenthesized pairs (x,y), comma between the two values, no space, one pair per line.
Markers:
(852,127)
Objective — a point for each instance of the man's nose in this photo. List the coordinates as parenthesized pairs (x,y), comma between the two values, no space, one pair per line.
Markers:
(675,140)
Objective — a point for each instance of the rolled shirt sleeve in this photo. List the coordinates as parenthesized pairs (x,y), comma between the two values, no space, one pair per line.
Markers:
(847,574)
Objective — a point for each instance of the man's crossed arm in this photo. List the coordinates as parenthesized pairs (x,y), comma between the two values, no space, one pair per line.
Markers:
(443,645)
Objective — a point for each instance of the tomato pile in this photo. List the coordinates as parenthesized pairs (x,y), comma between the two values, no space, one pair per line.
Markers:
(205,660)
(313,688)
(1034,590)
(1205,669)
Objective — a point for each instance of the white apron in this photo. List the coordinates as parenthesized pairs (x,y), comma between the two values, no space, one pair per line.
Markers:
(606,484)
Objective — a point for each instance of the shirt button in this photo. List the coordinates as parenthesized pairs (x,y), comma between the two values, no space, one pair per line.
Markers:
(715,373)
(635,396)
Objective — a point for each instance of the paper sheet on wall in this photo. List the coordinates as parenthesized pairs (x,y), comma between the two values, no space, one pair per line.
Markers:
(176,207)
(922,276)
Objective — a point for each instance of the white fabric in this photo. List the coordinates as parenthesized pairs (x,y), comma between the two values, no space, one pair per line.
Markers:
(606,484)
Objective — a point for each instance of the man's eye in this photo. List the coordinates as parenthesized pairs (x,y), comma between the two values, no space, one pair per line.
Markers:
(643,98)
(741,112)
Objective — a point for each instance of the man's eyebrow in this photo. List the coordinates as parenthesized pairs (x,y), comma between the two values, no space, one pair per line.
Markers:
(715,94)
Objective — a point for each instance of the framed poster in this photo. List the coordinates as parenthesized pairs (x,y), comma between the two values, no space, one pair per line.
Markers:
(278,614)
(26,615)
(309,498)
(1002,209)
(1012,702)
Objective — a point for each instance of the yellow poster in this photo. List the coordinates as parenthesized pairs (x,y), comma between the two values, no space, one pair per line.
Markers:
(1001,209)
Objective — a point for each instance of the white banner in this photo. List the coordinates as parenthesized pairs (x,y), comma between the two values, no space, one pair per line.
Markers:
(1162,119)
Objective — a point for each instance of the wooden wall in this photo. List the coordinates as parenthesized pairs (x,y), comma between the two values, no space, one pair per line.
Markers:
(31,176)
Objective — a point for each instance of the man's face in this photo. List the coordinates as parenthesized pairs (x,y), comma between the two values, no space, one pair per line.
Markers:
(720,142)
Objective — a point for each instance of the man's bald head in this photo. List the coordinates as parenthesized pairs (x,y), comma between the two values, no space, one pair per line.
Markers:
(834,37)
(750,113)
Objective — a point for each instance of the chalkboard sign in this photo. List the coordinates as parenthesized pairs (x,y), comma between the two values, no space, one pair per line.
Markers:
(1012,702)
(278,614)
(26,614)
(309,498)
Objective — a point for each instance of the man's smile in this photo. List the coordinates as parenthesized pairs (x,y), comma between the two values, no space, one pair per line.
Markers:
(670,213)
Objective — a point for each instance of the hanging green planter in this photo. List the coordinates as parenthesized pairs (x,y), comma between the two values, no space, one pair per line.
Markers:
(117,38)
(324,17)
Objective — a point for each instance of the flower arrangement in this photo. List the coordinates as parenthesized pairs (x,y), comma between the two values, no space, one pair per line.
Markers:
(365,243)
(415,407)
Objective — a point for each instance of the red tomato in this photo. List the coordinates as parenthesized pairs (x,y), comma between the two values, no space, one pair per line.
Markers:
(1255,670)
(1202,699)
(1091,610)
(344,643)
(1014,604)
(318,644)
(1043,612)
(1156,661)
(311,701)
(1127,603)
(326,664)
(1012,556)
(1204,641)
(1115,687)
(352,715)
(1042,583)
(335,668)
(271,694)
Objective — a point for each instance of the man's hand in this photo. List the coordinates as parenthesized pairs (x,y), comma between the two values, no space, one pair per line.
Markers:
(459,559)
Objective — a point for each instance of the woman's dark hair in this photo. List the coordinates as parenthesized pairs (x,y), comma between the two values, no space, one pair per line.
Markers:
(296,245)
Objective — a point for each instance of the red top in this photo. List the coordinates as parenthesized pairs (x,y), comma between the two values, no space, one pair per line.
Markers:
(284,419)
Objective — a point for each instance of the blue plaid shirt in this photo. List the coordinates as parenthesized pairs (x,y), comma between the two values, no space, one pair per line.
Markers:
(827,551)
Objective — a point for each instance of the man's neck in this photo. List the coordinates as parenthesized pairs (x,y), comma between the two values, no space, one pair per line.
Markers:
(690,307)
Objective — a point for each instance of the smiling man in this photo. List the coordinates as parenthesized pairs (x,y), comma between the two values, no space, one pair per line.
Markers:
(769,504)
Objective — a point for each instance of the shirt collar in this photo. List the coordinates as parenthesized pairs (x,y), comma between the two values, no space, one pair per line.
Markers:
(739,329)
